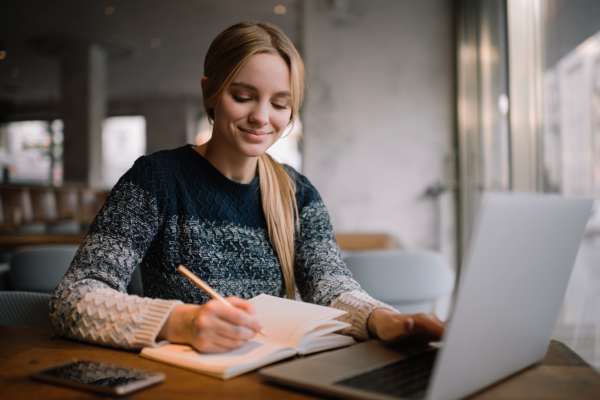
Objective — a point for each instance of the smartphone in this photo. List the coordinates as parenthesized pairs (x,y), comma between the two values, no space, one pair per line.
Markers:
(98,377)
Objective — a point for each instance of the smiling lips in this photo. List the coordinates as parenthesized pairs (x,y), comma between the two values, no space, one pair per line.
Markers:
(253,135)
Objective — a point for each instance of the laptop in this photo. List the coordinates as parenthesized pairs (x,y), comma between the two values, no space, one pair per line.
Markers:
(514,279)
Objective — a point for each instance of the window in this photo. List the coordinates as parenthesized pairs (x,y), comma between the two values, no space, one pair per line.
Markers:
(123,141)
(31,151)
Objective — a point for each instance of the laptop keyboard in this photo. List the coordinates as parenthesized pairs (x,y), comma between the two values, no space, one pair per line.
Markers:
(406,378)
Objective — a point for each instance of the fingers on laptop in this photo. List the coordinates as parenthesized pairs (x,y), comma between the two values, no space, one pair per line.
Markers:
(422,328)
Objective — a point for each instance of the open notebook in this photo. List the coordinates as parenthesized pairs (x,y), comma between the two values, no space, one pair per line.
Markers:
(293,327)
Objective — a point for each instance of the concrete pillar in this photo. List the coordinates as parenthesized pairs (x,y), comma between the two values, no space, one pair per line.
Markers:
(83,102)
(170,123)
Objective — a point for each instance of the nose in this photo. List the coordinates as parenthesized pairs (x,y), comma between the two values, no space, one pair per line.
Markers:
(259,115)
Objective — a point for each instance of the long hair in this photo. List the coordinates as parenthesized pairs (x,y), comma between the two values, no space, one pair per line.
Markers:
(227,55)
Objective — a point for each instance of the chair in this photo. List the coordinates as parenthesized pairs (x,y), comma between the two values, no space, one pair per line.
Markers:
(43,202)
(18,210)
(135,285)
(40,268)
(24,309)
(410,281)
(67,201)
(91,201)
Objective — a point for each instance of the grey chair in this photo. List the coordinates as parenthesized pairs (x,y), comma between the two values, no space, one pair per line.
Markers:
(410,281)
(24,309)
(135,285)
(40,268)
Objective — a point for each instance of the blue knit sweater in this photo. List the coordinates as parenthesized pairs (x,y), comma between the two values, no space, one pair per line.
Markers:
(173,207)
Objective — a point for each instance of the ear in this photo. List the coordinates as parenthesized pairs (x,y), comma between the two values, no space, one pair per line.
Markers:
(203,83)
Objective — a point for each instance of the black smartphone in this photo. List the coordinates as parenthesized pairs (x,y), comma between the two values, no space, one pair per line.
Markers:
(98,377)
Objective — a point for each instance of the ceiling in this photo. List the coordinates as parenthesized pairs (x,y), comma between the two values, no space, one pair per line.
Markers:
(184,28)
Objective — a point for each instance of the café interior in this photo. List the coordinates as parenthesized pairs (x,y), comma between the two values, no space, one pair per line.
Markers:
(413,110)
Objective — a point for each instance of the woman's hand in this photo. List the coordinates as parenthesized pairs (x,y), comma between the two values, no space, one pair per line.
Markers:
(390,326)
(213,327)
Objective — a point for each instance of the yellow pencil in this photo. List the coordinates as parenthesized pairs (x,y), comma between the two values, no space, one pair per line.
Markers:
(207,289)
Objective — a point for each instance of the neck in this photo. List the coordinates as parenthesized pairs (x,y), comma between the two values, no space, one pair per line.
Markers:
(237,168)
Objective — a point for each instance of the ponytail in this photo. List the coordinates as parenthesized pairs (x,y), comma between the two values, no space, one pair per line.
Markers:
(278,195)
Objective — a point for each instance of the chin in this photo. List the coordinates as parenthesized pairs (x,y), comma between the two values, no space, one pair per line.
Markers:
(252,152)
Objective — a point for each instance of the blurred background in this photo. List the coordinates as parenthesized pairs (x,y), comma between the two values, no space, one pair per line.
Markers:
(413,111)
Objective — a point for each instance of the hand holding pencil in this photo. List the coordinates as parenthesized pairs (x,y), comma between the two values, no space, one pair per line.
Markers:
(207,289)
(215,327)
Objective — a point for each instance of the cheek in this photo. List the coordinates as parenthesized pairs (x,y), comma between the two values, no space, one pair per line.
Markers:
(280,121)
(231,111)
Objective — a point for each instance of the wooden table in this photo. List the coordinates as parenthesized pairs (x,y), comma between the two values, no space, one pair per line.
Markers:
(23,349)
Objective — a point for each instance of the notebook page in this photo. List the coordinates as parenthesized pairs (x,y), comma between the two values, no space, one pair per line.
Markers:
(322,330)
(327,342)
(251,354)
(286,321)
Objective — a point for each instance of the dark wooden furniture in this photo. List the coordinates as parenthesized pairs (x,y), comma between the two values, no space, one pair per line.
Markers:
(44,204)
(561,375)
(40,215)
(16,204)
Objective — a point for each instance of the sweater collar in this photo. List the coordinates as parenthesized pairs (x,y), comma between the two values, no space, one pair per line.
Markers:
(214,177)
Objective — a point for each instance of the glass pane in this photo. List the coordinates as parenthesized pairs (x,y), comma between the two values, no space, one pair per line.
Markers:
(571,152)
(483,106)
(123,142)
(26,156)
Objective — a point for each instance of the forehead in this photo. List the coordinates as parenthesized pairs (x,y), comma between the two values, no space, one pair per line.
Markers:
(266,72)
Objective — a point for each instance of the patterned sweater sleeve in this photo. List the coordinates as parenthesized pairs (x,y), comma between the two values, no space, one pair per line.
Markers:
(90,303)
(320,273)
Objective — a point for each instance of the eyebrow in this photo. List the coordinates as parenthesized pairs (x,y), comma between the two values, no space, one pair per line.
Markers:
(252,87)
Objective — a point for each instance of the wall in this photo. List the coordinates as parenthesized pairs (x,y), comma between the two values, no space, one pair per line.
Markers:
(379,116)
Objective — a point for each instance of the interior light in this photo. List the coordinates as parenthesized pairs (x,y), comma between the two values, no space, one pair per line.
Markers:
(2,54)
(109,10)
(155,42)
(15,72)
(279,9)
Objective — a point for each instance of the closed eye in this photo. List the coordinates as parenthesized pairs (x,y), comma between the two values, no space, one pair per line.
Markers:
(279,106)
(241,99)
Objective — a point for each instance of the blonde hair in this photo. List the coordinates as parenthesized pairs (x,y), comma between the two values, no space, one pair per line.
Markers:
(227,55)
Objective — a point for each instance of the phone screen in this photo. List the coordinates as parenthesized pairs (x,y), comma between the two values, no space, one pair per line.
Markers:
(97,376)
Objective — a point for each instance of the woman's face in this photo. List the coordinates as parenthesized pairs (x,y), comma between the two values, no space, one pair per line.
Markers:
(256,107)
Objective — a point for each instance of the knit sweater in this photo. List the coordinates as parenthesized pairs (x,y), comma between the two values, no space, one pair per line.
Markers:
(173,207)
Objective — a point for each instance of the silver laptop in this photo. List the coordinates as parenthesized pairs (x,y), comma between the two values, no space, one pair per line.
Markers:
(514,279)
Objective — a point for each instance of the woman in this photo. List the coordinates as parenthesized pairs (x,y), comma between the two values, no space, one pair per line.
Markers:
(239,220)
